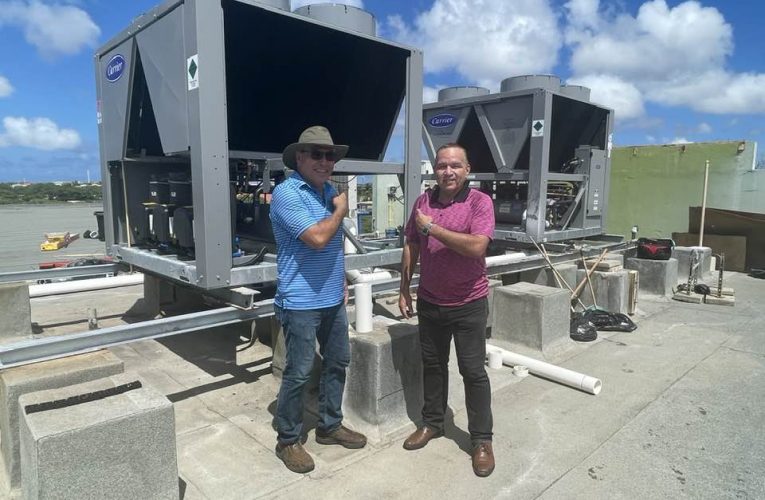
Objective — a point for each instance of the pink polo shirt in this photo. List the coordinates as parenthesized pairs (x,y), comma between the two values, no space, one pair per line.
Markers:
(446,277)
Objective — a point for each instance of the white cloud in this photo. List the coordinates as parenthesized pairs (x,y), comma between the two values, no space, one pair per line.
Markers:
(704,128)
(485,41)
(6,88)
(54,29)
(715,91)
(615,93)
(679,140)
(300,3)
(672,56)
(37,133)
(657,43)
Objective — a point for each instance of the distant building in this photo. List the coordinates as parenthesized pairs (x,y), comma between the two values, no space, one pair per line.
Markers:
(654,186)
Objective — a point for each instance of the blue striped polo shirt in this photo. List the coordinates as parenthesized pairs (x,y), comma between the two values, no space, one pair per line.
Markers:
(307,278)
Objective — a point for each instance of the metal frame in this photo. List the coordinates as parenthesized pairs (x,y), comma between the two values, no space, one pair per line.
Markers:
(246,308)
(203,33)
(59,272)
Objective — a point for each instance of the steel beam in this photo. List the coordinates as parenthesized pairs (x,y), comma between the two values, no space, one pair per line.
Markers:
(59,272)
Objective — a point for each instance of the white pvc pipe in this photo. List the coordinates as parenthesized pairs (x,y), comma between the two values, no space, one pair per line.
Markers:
(495,359)
(362,293)
(507,258)
(704,202)
(564,376)
(356,276)
(85,285)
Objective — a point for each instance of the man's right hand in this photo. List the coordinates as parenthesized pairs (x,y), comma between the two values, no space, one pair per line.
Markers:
(405,304)
(341,204)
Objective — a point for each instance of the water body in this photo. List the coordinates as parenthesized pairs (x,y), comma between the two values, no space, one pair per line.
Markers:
(23,228)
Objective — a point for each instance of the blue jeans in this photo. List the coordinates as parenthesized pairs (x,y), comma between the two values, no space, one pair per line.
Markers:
(301,331)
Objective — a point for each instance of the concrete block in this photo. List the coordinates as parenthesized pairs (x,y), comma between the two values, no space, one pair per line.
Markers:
(720,301)
(492,285)
(533,316)
(383,390)
(546,277)
(657,277)
(279,359)
(606,264)
(510,278)
(615,257)
(15,382)
(693,298)
(611,290)
(120,446)
(683,256)
(733,246)
(15,311)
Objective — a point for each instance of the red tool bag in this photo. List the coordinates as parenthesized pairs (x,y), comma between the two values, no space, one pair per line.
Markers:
(659,249)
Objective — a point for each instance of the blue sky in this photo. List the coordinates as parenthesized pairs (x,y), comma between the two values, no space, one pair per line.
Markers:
(673,71)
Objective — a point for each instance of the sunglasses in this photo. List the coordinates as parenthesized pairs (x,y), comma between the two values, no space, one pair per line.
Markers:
(318,155)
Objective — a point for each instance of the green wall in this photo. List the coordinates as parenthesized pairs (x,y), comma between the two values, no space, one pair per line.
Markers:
(653,186)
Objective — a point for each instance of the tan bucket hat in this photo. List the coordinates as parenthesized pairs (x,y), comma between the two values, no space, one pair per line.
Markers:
(312,136)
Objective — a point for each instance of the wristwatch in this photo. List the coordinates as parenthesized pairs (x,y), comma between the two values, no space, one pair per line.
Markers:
(426,228)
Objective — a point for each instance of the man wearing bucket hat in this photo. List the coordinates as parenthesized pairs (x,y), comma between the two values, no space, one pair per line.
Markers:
(448,232)
(307,213)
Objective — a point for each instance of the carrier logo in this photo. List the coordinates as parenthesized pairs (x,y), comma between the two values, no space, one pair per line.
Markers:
(115,68)
(442,120)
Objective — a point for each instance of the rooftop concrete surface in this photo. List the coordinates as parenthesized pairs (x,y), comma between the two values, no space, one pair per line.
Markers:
(680,414)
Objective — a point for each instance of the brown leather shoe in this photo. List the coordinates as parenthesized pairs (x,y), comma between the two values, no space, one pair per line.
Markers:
(342,436)
(295,457)
(483,459)
(419,438)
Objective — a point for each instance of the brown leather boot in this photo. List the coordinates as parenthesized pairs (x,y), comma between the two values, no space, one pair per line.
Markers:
(295,457)
(342,436)
(419,438)
(483,459)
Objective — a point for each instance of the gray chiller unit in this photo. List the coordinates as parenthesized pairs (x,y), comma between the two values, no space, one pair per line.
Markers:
(541,150)
(198,98)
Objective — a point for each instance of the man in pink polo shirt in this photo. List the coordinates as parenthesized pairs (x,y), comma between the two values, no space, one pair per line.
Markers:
(448,232)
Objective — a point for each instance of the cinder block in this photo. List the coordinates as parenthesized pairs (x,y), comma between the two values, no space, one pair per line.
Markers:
(279,347)
(657,277)
(121,446)
(683,256)
(15,382)
(15,310)
(532,315)
(611,290)
(383,390)
(492,285)
(546,277)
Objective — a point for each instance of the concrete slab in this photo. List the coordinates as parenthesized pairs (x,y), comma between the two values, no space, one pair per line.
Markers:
(15,382)
(720,301)
(15,311)
(607,264)
(687,444)
(691,298)
(542,430)
(121,446)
